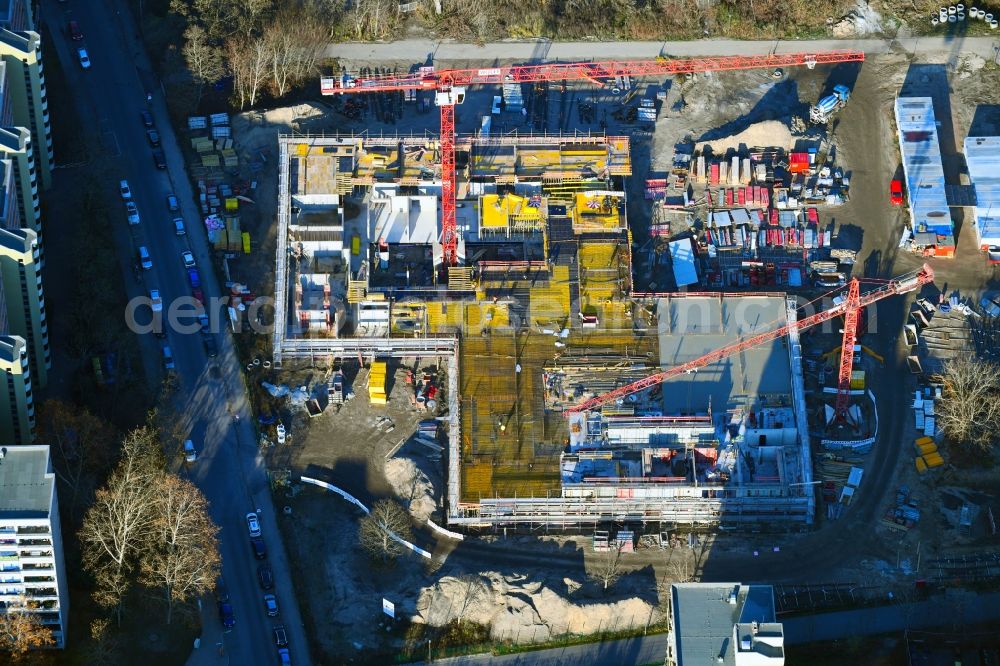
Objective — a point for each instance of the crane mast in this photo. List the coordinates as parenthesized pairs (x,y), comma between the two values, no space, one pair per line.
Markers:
(850,307)
(449,86)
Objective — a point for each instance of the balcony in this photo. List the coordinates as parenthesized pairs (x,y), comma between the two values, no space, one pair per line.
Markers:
(40,529)
(34,542)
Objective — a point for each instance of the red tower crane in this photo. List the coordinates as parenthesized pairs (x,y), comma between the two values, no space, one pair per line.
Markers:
(449,87)
(849,307)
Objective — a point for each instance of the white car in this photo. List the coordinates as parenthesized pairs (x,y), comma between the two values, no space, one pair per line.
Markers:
(81,53)
(133,212)
(124,190)
(253,525)
(179,226)
(281,433)
(154,296)
(188,259)
(190,455)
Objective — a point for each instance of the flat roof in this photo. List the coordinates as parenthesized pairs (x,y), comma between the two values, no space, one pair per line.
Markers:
(691,326)
(26,484)
(704,618)
(982,156)
(922,168)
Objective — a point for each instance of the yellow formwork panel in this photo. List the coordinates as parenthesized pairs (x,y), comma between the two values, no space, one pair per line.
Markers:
(504,423)
(596,212)
(302,149)
(549,304)
(497,212)
(445,317)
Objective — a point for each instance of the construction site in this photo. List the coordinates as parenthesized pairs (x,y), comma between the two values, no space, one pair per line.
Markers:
(615,330)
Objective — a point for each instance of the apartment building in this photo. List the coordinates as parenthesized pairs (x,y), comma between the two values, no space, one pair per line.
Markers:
(17,406)
(21,52)
(32,569)
(25,296)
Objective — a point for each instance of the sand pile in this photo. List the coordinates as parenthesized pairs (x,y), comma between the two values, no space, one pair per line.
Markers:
(525,611)
(412,487)
(765,133)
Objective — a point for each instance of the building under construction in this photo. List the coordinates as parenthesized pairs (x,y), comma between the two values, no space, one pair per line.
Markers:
(538,315)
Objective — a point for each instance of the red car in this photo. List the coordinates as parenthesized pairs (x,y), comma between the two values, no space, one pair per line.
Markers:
(74,31)
(198,295)
(896,193)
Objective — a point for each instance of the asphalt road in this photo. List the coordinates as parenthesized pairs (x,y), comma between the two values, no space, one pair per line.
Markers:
(109,97)
(419,50)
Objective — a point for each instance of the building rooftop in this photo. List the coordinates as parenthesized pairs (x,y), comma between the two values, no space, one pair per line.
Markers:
(26,482)
(707,617)
(692,326)
(922,168)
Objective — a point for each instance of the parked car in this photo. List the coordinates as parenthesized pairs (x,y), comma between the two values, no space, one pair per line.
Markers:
(144,259)
(190,455)
(226,616)
(204,322)
(159,159)
(132,212)
(168,358)
(154,296)
(74,31)
(271,605)
(194,278)
(81,54)
(253,524)
(124,190)
(259,549)
(153,137)
(211,349)
(221,591)
(198,295)
(179,226)
(896,192)
(172,204)
(280,637)
(188,259)
(265,576)
(284,657)
(147,119)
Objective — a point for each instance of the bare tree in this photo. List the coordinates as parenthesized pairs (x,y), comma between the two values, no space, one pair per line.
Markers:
(471,591)
(116,527)
(21,631)
(104,648)
(969,411)
(607,567)
(296,40)
(202,58)
(182,556)
(225,18)
(249,64)
(81,447)
(375,531)
(680,570)
(374,19)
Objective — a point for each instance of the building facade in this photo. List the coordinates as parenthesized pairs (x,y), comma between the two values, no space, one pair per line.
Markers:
(21,53)
(17,406)
(32,568)
(25,297)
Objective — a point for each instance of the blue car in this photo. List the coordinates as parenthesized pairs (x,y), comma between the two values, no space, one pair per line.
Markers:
(226,615)
(194,278)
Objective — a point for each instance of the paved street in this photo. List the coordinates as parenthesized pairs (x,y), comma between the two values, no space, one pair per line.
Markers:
(109,97)
(419,50)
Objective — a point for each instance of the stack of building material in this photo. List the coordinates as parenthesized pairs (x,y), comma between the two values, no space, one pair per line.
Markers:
(376,383)
(234,235)
(927,454)
(202,145)
(512,96)
(229,158)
